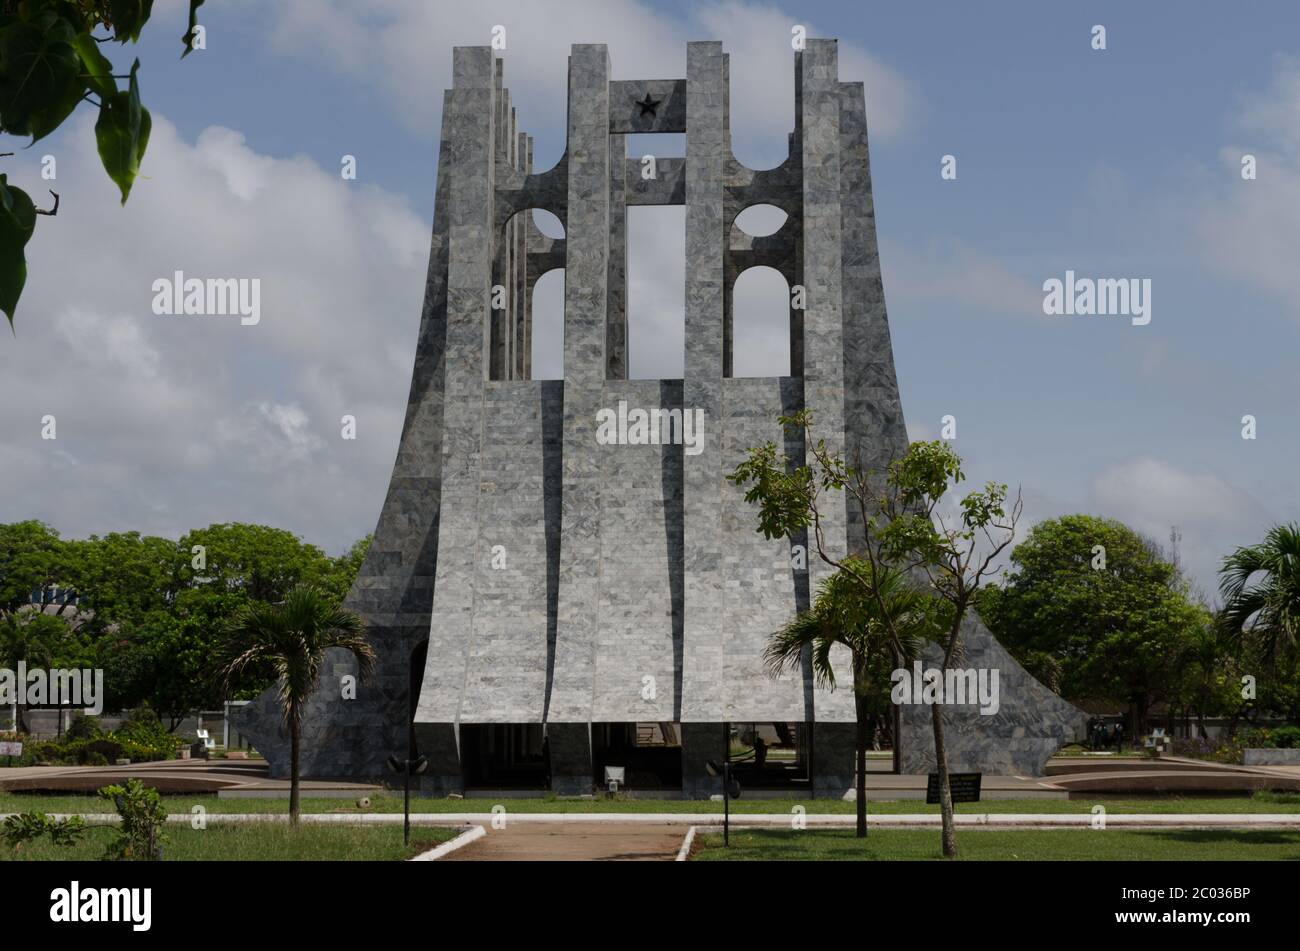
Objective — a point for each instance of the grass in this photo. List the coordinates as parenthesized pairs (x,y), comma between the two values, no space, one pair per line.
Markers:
(1260,802)
(998,845)
(262,842)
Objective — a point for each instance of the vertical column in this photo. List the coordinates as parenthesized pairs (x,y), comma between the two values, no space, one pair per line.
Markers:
(818,107)
(519,293)
(616,337)
(586,289)
(703,687)
(728,321)
(499,316)
(527,296)
(470,173)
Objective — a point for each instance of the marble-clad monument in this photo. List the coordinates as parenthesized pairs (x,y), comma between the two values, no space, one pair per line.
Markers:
(558,601)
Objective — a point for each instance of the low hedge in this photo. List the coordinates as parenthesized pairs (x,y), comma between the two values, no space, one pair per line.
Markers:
(96,751)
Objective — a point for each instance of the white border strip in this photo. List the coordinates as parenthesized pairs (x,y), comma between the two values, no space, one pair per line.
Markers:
(685,850)
(465,838)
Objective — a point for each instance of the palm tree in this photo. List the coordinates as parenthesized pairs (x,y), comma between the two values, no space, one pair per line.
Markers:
(33,639)
(1260,588)
(293,637)
(845,614)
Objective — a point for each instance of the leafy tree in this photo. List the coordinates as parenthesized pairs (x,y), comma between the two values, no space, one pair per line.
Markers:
(1102,604)
(50,62)
(293,638)
(148,617)
(39,640)
(1208,676)
(33,558)
(1260,588)
(845,614)
(125,577)
(256,561)
(904,530)
(343,570)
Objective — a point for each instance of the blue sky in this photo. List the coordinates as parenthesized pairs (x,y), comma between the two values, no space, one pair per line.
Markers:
(1114,163)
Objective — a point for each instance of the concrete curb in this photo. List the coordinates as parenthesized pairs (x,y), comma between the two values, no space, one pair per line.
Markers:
(684,852)
(465,838)
(761,820)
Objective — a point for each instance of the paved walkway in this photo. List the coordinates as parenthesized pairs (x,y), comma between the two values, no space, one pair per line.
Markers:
(227,779)
(569,842)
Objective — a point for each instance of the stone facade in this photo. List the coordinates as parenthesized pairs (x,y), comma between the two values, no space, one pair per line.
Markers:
(554,577)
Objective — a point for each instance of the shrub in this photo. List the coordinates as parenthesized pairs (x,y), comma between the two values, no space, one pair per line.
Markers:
(84,728)
(1287,737)
(144,727)
(96,752)
(1257,738)
(24,827)
(1221,749)
(140,836)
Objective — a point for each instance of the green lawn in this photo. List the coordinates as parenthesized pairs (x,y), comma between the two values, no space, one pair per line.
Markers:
(261,842)
(1277,803)
(999,845)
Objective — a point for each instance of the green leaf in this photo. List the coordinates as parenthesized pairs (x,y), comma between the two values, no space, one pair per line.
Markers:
(40,74)
(17,222)
(188,38)
(122,133)
(95,64)
(129,18)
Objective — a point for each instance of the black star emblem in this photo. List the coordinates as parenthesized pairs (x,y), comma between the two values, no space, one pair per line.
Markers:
(648,105)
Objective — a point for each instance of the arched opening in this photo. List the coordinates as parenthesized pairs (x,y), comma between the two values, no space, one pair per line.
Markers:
(528,331)
(547,223)
(760,320)
(759,221)
(548,326)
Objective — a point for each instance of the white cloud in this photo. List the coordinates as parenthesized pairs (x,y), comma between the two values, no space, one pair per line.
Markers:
(404,47)
(167,423)
(952,272)
(1248,231)
(1152,496)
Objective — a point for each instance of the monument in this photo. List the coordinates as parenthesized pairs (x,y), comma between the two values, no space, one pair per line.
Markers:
(556,601)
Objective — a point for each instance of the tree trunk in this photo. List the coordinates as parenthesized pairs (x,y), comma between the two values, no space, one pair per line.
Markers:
(861,757)
(295,730)
(945,794)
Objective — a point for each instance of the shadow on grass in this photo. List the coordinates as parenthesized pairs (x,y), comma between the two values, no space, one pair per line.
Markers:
(1247,837)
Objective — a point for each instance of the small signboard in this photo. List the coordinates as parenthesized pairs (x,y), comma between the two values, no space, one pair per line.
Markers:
(965,787)
(8,748)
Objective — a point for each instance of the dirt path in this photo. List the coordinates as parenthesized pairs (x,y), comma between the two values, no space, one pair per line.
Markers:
(574,842)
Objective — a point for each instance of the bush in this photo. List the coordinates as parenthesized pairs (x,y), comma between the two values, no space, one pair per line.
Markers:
(1257,738)
(84,728)
(144,728)
(97,752)
(24,827)
(1221,749)
(140,836)
(1287,737)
